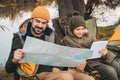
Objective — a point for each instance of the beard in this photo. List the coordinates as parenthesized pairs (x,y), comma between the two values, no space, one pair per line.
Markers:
(37,30)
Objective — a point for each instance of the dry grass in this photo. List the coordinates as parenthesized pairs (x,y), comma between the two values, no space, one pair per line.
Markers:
(104,33)
(4,75)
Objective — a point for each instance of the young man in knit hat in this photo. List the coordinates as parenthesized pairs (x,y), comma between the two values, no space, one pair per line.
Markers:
(36,26)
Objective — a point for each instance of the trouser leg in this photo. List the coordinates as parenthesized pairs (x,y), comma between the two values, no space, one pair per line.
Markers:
(116,65)
(108,71)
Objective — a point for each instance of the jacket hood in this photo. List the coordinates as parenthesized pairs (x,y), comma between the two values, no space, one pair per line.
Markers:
(23,26)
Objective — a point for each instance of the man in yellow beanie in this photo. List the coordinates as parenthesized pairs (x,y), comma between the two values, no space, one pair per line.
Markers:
(37,27)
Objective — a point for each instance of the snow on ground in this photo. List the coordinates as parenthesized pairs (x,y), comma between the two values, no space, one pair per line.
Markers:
(106,16)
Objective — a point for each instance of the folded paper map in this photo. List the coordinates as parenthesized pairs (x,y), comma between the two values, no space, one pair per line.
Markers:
(42,52)
(46,53)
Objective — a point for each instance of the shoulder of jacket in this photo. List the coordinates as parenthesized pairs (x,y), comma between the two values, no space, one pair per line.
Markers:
(15,35)
(18,35)
(67,38)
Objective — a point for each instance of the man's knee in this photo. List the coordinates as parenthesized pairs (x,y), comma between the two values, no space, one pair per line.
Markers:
(80,76)
(67,76)
(55,76)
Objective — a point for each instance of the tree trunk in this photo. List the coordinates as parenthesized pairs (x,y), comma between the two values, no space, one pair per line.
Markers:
(65,8)
(79,5)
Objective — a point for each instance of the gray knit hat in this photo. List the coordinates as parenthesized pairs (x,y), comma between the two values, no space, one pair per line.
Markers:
(76,21)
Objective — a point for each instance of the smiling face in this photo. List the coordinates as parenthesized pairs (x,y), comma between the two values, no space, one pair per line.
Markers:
(38,26)
(79,31)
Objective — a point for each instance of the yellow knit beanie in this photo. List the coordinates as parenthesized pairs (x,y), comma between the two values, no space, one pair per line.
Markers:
(41,12)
